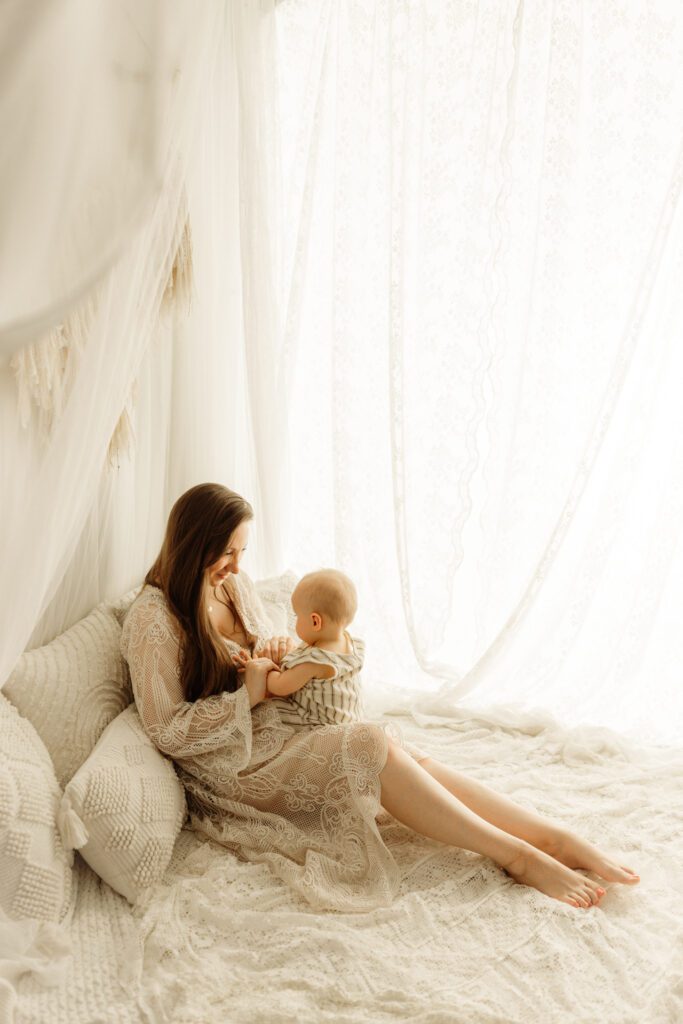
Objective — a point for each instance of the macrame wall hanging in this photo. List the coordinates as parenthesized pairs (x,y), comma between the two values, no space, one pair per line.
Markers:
(44,370)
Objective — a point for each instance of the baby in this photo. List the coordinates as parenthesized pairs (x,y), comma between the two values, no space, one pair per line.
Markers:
(318,683)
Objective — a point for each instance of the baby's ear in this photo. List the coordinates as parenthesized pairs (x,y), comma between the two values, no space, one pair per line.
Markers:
(316,620)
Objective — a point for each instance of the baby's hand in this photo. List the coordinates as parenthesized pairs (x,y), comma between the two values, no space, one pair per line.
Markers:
(241,658)
(275,648)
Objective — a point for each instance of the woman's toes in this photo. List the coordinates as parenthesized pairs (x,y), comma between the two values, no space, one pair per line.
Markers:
(592,892)
(596,890)
(618,873)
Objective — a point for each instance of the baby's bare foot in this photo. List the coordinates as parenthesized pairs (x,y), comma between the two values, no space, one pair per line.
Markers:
(575,852)
(535,868)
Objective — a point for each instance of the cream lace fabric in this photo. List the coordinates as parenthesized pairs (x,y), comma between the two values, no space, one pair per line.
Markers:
(223,940)
(304,804)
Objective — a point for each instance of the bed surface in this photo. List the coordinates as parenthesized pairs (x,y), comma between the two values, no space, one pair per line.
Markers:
(224,941)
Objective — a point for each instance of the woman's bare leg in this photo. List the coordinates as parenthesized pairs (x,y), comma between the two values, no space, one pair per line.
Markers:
(499,810)
(422,803)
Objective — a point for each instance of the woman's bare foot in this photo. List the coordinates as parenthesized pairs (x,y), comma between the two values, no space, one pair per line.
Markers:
(535,868)
(575,852)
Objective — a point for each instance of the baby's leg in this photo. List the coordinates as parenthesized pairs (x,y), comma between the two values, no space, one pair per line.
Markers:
(540,832)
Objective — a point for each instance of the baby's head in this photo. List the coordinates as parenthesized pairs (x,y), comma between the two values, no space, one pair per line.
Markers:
(325,602)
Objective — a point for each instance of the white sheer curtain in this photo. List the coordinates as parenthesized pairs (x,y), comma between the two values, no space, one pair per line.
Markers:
(50,479)
(77,528)
(85,98)
(436,252)
(483,250)
(228,418)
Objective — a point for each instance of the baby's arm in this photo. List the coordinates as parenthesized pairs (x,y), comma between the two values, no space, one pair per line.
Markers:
(289,680)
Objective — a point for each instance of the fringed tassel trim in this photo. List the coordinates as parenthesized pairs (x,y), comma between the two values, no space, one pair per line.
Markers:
(72,830)
(123,439)
(178,294)
(40,371)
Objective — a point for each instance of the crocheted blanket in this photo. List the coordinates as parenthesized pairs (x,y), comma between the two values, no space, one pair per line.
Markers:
(222,940)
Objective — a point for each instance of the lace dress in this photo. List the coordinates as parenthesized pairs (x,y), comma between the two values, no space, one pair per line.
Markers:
(305,802)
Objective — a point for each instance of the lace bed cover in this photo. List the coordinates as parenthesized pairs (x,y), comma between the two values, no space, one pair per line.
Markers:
(303,802)
(223,940)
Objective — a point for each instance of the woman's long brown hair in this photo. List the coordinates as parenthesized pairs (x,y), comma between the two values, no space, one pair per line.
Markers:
(198,532)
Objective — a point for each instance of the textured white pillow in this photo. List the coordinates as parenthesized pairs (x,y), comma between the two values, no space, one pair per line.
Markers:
(35,868)
(120,607)
(71,688)
(124,808)
(275,593)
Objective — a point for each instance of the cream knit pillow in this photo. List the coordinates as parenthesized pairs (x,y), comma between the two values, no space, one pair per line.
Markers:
(121,607)
(35,868)
(71,688)
(124,808)
(275,593)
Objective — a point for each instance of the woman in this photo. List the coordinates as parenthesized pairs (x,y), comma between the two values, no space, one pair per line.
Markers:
(304,803)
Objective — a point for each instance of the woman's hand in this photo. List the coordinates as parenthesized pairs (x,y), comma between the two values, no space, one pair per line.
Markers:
(255,675)
(275,648)
(272,676)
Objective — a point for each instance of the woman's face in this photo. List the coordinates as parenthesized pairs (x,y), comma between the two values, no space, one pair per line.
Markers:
(231,557)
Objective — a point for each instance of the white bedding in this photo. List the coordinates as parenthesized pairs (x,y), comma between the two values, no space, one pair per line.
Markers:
(224,941)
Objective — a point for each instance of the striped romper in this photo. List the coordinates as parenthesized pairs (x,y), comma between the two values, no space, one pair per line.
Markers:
(334,701)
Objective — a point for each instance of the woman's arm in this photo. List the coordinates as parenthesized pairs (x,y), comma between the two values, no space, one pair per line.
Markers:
(181,728)
(256,672)
(289,680)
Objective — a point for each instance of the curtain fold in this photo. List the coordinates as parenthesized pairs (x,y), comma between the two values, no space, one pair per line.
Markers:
(228,415)
(85,96)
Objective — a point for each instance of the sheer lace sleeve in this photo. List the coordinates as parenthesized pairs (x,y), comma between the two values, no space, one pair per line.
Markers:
(179,728)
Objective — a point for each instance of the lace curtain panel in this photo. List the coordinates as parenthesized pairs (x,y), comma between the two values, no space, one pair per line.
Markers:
(482,247)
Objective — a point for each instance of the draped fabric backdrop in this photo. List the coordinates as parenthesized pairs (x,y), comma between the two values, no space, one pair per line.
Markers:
(434,332)
(485,234)
(77,529)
